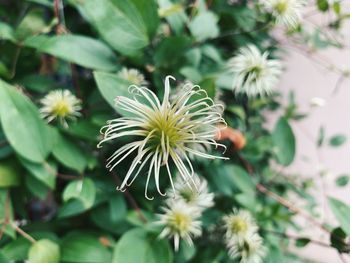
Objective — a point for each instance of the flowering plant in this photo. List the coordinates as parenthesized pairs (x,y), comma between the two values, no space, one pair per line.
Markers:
(135,131)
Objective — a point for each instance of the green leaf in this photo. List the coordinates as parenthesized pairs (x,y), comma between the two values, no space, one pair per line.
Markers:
(81,50)
(33,23)
(38,83)
(337,140)
(111,86)
(24,129)
(145,248)
(9,174)
(338,240)
(111,217)
(84,248)
(17,249)
(243,179)
(341,212)
(321,136)
(171,50)
(45,172)
(302,242)
(44,251)
(174,14)
(204,26)
(284,142)
(117,207)
(6,32)
(337,8)
(84,190)
(36,187)
(131,21)
(71,208)
(145,10)
(322,5)
(84,129)
(342,180)
(69,154)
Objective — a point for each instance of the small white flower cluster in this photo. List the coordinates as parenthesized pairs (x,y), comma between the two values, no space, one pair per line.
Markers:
(242,238)
(134,76)
(184,207)
(254,73)
(61,105)
(286,12)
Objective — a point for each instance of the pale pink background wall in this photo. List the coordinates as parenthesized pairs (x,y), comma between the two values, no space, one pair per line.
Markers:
(308,79)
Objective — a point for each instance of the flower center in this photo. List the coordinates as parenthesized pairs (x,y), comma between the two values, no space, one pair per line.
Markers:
(238,225)
(166,131)
(281,7)
(61,108)
(180,222)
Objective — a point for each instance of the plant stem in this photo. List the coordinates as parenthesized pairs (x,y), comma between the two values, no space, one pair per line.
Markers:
(22,232)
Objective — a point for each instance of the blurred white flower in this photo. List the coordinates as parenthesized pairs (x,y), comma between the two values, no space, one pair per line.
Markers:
(162,132)
(239,224)
(248,250)
(134,76)
(60,104)
(317,102)
(180,221)
(254,73)
(200,198)
(286,12)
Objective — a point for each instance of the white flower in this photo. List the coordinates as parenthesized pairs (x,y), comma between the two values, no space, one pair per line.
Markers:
(60,104)
(134,76)
(254,73)
(286,12)
(200,198)
(317,102)
(239,224)
(248,250)
(180,221)
(161,132)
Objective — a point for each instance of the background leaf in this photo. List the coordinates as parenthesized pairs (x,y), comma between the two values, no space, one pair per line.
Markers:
(284,142)
(25,130)
(146,249)
(81,50)
(341,212)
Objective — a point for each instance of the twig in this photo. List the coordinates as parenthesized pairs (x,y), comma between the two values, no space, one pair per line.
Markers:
(131,199)
(15,60)
(22,232)
(59,30)
(7,215)
(68,176)
(261,188)
(288,236)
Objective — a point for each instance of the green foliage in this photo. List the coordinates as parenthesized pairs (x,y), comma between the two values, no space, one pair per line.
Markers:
(284,142)
(54,184)
(44,251)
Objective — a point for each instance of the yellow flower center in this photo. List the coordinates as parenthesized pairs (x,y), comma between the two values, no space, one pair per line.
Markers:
(238,225)
(180,222)
(61,108)
(166,129)
(281,7)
